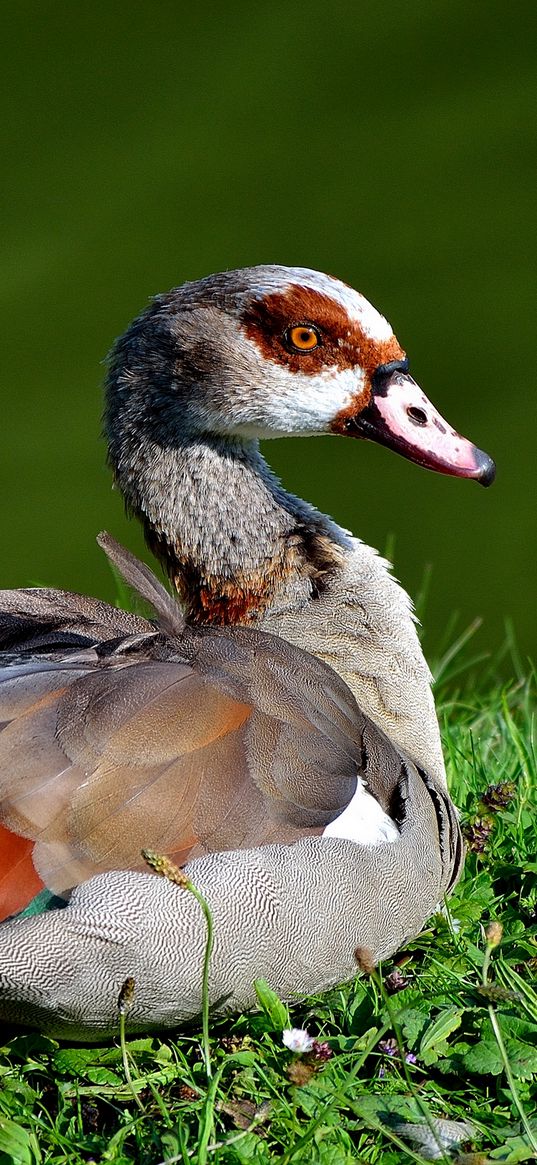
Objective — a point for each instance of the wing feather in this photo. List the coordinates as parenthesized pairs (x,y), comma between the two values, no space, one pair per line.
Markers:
(121,735)
(19,881)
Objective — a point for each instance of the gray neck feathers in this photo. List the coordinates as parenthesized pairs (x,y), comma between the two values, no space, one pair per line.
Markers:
(212,509)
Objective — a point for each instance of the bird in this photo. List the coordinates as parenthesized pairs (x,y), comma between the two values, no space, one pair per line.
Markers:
(271,725)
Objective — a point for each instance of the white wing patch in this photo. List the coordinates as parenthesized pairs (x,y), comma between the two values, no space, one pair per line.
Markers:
(363,821)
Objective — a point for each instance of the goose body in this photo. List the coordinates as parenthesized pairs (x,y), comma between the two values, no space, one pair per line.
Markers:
(280,735)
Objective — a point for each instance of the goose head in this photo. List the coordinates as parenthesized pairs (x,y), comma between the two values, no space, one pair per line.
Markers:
(267,352)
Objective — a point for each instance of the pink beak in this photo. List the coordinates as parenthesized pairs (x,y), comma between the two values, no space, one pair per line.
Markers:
(400,416)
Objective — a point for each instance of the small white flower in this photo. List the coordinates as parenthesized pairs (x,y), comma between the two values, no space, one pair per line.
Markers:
(297,1039)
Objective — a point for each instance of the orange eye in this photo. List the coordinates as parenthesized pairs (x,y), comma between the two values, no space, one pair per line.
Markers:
(302,338)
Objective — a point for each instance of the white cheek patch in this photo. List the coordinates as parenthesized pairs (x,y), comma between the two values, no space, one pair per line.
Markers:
(363,821)
(295,403)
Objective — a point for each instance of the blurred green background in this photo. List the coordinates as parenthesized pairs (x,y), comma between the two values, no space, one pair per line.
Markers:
(392,144)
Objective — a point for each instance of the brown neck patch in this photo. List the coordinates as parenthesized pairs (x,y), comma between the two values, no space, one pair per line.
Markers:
(217,600)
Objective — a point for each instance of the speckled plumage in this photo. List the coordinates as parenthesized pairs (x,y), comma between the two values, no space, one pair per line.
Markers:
(294,915)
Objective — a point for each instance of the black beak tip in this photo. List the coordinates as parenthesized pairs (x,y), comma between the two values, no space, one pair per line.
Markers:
(487,468)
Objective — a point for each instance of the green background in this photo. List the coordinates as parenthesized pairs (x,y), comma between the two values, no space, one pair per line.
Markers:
(392,144)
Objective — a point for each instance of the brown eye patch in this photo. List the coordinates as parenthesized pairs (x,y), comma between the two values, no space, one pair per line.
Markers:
(270,322)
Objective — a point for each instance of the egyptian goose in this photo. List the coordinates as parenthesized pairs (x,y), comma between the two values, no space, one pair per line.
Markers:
(280,733)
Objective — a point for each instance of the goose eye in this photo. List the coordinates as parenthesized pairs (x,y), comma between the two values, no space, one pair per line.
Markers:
(302,338)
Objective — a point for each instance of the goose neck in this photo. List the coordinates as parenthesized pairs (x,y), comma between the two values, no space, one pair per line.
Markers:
(230,537)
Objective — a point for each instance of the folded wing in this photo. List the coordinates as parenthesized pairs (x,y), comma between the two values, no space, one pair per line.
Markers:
(120,734)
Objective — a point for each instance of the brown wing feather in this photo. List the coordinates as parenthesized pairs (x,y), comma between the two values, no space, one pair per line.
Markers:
(19,882)
(151,754)
(36,778)
(122,758)
(152,709)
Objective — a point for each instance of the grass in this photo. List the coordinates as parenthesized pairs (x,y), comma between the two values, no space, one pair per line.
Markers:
(445,1032)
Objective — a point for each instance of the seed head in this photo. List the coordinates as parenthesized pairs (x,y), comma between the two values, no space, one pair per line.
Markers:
(496,797)
(365,960)
(126,996)
(477,834)
(493,934)
(162,865)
